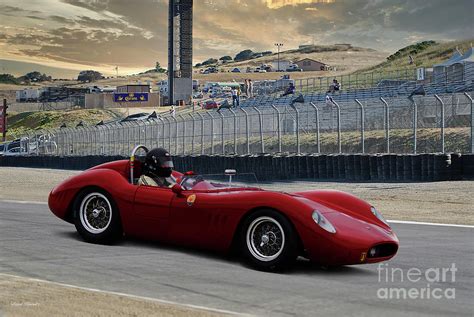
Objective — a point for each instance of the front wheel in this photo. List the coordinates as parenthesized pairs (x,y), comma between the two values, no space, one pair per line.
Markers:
(97,218)
(269,241)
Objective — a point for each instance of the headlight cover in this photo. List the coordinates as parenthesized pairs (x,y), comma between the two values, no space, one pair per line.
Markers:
(378,215)
(323,222)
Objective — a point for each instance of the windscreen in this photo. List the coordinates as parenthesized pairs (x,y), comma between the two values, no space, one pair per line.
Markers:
(216,181)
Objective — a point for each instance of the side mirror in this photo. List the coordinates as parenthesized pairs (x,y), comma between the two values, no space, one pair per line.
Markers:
(230,173)
(177,189)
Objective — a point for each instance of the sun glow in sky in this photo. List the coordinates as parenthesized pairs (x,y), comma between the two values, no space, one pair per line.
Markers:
(275,4)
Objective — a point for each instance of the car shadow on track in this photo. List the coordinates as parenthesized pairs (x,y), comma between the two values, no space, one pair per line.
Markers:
(301,266)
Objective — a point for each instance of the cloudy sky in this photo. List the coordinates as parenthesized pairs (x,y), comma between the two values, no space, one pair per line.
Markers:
(131,34)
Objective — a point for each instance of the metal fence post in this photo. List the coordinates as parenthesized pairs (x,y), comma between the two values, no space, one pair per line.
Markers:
(278,127)
(415,124)
(442,122)
(73,136)
(247,128)
(87,149)
(114,139)
(362,125)
(127,141)
(161,133)
(202,132)
(235,130)
(472,121)
(169,132)
(298,145)
(212,132)
(387,123)
(184,134)
(176,135)
(318,141)
(222,132)
(339,144)
(260,120)
(192,133)
(109,140)
(81,141)
(139,125)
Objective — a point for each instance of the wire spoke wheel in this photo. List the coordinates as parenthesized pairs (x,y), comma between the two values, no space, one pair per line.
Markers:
(265,238)
(95,213)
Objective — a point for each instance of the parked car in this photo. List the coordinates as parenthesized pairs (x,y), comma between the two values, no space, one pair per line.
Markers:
(2,149)
(198,95)
(260,70)
(294,68)
(16,151)
(42,144)
(210,104)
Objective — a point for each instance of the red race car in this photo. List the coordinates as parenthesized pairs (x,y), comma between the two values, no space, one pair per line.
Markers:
(270,229)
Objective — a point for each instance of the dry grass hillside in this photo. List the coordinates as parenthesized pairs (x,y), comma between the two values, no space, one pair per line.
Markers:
(343,59)
(424,54)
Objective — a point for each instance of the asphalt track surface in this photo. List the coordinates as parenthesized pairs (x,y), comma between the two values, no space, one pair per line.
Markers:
(34,243)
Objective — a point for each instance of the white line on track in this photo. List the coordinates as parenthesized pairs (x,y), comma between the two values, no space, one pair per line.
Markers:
(429,224)
(23,202)
(160,301)
(391,221)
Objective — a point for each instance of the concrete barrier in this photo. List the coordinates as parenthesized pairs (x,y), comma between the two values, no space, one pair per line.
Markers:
(358,167)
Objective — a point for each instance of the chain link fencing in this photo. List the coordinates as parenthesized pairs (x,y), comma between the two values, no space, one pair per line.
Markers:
(423,124)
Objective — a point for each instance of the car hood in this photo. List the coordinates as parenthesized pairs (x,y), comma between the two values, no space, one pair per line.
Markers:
(333,201)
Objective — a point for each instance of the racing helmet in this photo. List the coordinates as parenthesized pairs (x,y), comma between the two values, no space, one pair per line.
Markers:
(158,162)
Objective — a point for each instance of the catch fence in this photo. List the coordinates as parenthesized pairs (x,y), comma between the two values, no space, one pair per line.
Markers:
(429,124)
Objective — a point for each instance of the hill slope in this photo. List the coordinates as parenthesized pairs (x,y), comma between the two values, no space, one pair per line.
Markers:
(424,54)
(19,123)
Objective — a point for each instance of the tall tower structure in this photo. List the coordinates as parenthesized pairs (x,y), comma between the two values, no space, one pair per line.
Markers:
(180,51)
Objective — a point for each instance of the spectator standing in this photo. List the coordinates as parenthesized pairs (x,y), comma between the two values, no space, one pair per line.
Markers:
(235,97)
(247,88)
(173,111)
(250,91)
(239,92)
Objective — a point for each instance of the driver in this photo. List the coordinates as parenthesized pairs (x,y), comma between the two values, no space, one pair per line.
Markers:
(157,169)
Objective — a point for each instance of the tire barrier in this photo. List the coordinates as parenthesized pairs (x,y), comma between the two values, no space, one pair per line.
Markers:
(467,170)
(357,167)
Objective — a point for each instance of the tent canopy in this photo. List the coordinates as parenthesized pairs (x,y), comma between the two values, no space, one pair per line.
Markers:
(458,59)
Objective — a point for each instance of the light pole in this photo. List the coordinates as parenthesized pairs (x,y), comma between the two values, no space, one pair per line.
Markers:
(278,45)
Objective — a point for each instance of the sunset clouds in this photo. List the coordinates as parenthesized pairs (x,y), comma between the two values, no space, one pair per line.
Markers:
(132,34)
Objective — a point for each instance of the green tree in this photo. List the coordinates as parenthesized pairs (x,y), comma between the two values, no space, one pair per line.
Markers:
(225,59)
(8,79)
(244,55)
(36,76)
(210,61)
(89,76)
(159,69)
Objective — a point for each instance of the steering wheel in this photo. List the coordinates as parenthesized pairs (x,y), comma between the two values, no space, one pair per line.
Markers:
(189,185)
(132,160)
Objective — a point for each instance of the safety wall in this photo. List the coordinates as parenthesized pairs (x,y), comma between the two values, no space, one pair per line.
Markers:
(357,167)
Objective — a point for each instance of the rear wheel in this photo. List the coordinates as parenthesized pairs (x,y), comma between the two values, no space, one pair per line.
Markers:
(97,218)
(268,240)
